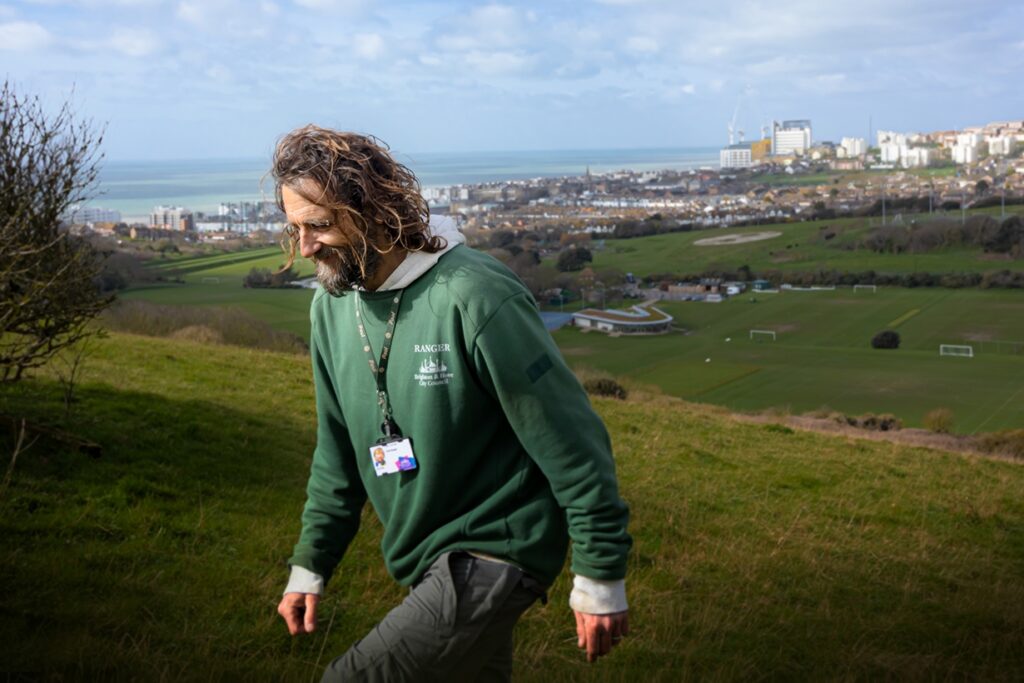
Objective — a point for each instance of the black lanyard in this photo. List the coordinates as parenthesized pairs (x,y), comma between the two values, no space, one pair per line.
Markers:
(388,427)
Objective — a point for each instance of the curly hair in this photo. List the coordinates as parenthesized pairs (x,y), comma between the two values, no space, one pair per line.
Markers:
(357,174)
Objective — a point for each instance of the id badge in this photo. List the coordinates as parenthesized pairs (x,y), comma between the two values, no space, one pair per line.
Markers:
(390,456)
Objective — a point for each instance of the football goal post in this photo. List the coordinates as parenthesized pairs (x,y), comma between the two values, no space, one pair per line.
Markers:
(211,280)
(962,350)
(762,334)
(871,288)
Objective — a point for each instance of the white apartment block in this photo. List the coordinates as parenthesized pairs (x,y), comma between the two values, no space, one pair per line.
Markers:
(736,156)
(1001,146)
(917,157)
(966,149)
(791,137)
(896,148)
(853,147)
(892,146)
(964,154)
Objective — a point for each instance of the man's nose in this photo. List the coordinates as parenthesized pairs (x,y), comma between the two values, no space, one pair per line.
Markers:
(308,243)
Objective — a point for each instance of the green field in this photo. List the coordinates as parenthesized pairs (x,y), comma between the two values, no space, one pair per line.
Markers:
(760,553)
(217,281)
(821,357)
(822,354)
(798,248)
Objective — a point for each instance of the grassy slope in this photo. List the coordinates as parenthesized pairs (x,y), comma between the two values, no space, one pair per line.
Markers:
(822,355)
(285,309)
(798,248)
(759,553)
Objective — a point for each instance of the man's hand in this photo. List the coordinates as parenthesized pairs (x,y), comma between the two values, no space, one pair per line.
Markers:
(599,633)
(299,612)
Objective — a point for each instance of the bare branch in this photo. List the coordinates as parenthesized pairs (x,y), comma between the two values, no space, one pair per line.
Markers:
(48,277)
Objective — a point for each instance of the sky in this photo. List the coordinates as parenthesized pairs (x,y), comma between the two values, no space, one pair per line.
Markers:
(191,79)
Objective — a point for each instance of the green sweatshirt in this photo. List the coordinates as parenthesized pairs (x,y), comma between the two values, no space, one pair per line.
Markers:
(512,460)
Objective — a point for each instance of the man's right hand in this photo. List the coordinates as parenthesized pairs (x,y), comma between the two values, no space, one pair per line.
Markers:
(299,612)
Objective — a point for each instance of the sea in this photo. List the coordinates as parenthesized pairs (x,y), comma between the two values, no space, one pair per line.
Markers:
(135,187)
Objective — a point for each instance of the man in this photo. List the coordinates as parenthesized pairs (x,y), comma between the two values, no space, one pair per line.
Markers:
(443,400)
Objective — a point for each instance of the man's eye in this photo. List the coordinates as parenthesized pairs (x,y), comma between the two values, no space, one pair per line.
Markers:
(320,226)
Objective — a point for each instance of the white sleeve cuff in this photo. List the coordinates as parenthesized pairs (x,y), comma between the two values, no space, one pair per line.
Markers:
(304,581)
(596,596)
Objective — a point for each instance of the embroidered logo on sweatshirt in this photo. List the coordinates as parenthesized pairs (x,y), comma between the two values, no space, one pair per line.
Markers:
(433,370)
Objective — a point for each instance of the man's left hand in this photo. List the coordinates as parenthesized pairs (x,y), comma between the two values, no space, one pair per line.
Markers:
(599,633)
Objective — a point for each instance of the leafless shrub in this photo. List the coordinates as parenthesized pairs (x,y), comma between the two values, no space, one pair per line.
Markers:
(48,291)
(870,421)
(19,447)
(939,421)
(69,365)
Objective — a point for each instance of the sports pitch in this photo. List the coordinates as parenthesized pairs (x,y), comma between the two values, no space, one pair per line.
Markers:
(822,354)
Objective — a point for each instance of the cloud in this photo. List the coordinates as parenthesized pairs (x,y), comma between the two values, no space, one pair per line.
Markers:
(493,63)
(688,89)
(97,3)
(234,18)
(487,28)
(825,83)
(134,42)
(218,73)
(369,46)
(642,44)
(328,5)
(19,36)
(192,12)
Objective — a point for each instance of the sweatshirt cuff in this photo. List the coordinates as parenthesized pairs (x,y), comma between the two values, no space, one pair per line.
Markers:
(304,581)
(597,596)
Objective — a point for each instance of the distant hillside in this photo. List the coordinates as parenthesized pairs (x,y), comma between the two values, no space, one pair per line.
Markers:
(810,246)
(761,552)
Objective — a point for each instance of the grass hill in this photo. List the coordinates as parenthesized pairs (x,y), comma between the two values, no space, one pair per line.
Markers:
(761,552)
(797,247)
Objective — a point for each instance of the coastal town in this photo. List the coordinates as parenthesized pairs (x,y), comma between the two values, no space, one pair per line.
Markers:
(786,175)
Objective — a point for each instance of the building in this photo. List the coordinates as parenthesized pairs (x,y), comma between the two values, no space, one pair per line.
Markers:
(736,156)
(791,137)
(917,157)
(892,147)
(172,218)
(967,148)
(1001,146)
(637,320)
(852,147)
(760,150)
(82,215)
(897,149)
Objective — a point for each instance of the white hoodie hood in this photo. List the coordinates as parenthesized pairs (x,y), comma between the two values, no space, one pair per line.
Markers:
(416,263)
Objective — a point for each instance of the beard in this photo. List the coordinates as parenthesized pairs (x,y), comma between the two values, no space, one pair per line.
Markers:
(338,268)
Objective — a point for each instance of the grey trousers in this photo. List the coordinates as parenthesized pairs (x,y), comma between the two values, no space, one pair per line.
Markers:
(455,625)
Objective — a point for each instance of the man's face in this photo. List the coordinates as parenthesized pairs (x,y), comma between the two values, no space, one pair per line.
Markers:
(332,240)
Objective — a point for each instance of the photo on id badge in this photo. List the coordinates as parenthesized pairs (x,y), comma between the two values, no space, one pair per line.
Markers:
(393,456)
